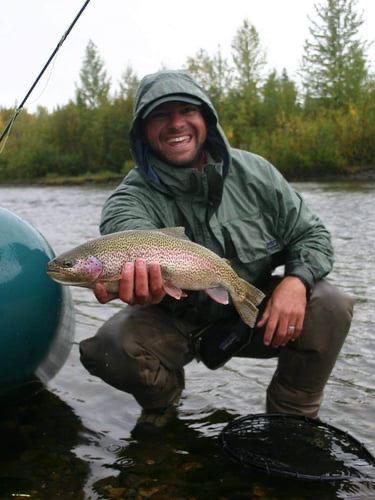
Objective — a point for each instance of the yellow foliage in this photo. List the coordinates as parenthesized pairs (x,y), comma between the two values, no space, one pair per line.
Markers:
(229,133)
(353,111)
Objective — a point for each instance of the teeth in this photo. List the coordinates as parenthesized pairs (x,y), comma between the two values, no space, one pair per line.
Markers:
(179,139)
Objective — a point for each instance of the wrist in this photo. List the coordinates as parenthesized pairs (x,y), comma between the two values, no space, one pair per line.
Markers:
(298,281)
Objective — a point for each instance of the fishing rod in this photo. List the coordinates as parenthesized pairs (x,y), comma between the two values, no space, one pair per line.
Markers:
(58,46)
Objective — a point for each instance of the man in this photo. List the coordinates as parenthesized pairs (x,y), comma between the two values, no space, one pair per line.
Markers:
(236,204)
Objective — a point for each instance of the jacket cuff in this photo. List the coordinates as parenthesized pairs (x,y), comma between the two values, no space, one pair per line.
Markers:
(303,274)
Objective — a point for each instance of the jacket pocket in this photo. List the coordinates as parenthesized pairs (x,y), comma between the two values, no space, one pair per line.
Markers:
(249,240)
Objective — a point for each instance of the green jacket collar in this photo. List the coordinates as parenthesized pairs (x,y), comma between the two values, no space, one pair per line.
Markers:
(190,182)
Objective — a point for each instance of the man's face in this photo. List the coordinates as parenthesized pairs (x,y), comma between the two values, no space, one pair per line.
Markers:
(176,132)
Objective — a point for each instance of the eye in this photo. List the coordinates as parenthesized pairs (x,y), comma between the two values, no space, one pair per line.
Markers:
(158,115)
(190,109)
(68,263)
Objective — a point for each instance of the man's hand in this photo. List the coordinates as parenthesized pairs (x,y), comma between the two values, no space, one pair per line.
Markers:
(139,284)
(285,312)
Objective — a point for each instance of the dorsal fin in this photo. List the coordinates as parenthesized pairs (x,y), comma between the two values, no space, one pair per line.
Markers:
(176,232)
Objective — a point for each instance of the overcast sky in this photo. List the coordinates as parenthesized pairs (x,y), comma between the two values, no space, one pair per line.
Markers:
(145,34)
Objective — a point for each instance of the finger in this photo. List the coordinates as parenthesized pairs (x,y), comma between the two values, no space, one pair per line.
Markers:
(126,289)
(281,337)
(156,283)
(141,281)
(289,335)
(263,320)
(294,325)
(299,327)
(266,314)
(270,329)
(102,295)
(156,280)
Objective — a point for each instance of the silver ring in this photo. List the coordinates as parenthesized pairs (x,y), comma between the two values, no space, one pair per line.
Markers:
(290,327)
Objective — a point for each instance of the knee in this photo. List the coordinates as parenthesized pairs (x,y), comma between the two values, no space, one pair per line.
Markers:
(107,359)
(88,352)
(328,318)
(330,301)
(105,349)
(101,357)
(104,355)
(120,356)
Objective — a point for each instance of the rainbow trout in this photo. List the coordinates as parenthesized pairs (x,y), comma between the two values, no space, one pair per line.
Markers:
(184,266)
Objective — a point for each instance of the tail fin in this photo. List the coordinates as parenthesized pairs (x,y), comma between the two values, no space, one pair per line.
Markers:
(247,302)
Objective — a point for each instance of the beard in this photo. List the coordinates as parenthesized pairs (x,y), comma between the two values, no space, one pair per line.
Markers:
(196,161)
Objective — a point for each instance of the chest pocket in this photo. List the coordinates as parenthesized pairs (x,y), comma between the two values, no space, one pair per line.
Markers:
(250,240)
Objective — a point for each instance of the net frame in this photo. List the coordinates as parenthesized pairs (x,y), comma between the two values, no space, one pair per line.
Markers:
(238,433)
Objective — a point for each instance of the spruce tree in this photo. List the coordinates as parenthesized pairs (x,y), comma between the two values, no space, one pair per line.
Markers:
(212,73)
(249,61)
(93,88)
(249,57)
(334,65)
(128,84)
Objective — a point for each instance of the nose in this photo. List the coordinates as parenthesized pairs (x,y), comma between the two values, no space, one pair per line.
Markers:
(176,120)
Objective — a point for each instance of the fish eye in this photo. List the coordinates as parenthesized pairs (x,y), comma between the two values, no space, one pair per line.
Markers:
(68,263)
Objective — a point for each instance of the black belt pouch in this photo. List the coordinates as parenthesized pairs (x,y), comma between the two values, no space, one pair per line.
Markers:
(216,343)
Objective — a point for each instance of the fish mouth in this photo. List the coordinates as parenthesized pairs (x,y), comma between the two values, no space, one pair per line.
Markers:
(50,269)
(58,276)
(66,279)
(52,272)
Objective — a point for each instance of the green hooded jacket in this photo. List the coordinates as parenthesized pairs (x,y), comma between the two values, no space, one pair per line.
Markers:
(239,206)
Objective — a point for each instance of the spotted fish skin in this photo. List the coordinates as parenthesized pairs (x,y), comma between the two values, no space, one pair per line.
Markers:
(184,266)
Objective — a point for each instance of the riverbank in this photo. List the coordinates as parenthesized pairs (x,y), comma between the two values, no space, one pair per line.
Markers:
(361,174)
(349,174)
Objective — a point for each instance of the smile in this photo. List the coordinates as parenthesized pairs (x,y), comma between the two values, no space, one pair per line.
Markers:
(177,140)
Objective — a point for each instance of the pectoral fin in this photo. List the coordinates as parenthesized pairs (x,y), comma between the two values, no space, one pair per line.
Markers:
(219,295)
(173,291)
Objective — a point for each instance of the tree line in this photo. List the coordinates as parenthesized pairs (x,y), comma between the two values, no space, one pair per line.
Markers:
(322,124)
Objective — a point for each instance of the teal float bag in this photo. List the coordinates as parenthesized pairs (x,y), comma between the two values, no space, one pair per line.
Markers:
(36,313)
(216,343)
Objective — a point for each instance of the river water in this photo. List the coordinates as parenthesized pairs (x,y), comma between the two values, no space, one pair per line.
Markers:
(74,440)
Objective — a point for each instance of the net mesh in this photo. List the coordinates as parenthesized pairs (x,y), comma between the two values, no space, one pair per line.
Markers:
(298,447)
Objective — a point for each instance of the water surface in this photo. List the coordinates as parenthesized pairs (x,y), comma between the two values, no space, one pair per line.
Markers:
(74,440)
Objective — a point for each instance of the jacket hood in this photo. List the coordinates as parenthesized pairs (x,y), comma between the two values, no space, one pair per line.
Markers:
(158,87)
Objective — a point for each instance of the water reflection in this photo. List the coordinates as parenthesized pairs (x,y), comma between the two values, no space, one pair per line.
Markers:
(37,456)
(183,462)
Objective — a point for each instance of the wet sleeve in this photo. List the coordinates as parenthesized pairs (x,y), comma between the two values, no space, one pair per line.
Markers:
(126,209)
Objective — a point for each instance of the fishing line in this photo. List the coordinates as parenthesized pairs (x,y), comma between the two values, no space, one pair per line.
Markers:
(15,114)
(7,129)
(47,82)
